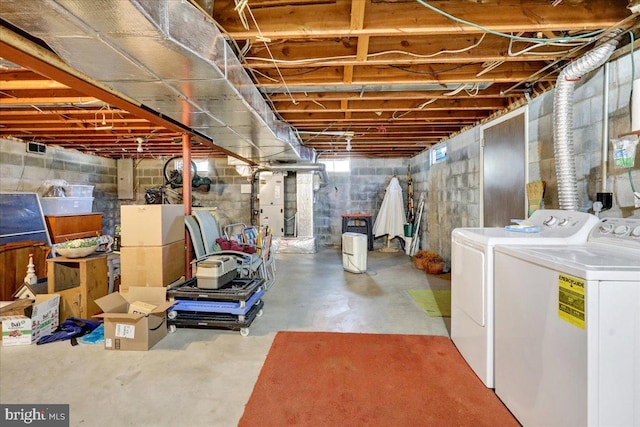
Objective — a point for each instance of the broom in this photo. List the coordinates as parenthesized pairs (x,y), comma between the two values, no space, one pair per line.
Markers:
(535,193)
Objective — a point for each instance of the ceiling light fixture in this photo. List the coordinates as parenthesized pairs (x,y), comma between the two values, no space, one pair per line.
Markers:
(100,116)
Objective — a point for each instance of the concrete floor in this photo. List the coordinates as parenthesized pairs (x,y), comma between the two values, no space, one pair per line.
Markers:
(204,377)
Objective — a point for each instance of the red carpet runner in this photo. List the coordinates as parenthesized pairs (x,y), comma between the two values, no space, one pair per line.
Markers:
(343,379)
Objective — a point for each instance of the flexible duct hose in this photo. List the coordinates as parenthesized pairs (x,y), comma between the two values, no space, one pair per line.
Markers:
(563,121)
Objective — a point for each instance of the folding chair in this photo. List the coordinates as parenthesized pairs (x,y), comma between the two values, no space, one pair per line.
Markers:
(268,268)
(202,222)
(260,239)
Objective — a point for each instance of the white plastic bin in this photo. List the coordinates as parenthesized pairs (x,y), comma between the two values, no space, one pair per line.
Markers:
(66,205)
(78,190)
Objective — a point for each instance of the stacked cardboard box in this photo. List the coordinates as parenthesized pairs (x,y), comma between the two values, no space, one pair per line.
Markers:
(153,246)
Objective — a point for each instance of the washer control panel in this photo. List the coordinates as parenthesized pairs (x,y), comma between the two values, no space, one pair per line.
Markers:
(619,231)
(562,223)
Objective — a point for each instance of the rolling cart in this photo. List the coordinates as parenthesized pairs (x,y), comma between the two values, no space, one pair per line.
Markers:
(234,306)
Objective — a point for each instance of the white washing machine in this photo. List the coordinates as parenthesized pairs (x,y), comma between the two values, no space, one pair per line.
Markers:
(567,322)
(472,269)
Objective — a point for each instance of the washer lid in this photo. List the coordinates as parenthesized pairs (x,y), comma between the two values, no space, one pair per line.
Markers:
(588,261)
(556,227)
(500,236)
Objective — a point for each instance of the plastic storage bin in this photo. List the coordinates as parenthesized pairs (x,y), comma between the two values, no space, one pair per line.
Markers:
(66,205)
(79,190)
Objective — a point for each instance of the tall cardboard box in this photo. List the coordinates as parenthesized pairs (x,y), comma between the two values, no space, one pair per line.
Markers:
(151,225)
(151,265)
(134,331)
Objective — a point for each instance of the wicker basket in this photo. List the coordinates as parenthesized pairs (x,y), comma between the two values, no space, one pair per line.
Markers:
(434,267)
(419,259)
(428,261)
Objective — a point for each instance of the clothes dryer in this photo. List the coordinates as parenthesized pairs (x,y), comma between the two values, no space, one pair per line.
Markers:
(472,272)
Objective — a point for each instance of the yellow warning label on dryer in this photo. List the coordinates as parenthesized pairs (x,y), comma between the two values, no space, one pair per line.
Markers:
(571,302)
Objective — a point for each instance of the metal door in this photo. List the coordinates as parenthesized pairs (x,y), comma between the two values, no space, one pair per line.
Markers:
(504,157)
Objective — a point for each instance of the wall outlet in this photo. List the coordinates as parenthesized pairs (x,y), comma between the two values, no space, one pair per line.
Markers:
(636,201)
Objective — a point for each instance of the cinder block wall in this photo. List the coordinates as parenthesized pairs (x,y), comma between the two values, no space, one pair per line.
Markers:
(22,171)
(360,191)
(453,186)
(588,139)
(452,190)
(224,194)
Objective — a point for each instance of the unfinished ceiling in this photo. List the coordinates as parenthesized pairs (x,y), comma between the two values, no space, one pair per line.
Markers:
(367,78)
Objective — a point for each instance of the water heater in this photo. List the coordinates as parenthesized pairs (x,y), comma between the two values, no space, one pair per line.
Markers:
(354,252)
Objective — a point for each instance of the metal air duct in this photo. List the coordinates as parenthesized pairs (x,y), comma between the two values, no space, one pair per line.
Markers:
(319,168)
(170,57)
(563,121)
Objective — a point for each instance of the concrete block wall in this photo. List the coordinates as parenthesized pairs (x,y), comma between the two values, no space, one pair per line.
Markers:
(360,191)
(452,189)
(22,171)
(225,192)
(588,139)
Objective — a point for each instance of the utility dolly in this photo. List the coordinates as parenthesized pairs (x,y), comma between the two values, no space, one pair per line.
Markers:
(233,306)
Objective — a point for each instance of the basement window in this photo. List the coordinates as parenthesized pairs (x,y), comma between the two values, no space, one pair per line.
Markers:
(337,165)
(438,154)
(202,165)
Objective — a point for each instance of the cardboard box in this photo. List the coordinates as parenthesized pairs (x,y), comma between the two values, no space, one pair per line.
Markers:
(141,307)
(43,319)
(17,307)
(16,330)
(135,331)
(151,225)
(151,265)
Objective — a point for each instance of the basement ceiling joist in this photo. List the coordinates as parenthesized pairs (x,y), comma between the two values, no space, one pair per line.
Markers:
(393,76)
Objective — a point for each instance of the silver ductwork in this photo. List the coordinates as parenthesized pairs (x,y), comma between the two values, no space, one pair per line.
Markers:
(318,168)
(168,56)
(563,121)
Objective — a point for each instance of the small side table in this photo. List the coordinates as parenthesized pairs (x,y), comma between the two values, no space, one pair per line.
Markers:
(79,281)
(359,223)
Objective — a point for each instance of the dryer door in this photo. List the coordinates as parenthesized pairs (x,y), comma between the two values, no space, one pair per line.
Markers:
(469,279)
